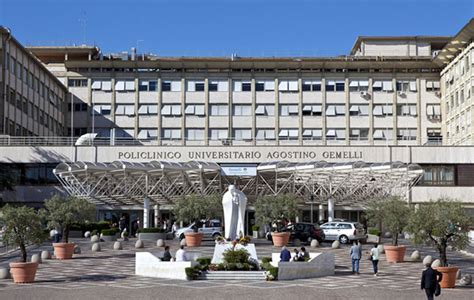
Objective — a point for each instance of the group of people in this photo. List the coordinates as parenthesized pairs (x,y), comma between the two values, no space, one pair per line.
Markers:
(179,256)
(299,255)
(356,256)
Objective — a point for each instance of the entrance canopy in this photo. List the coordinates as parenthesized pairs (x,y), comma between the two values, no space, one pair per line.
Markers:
(129,183)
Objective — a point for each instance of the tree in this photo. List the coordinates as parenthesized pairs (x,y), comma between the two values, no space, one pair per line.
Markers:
(194,208)
(21,226)
(392,212)
(64,212)
(440,223)
(270,209)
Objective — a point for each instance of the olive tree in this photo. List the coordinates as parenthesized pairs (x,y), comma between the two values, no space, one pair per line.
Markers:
(21,227)
(274,209)
(194,208)
(393,212)
(440,223)
(63,212)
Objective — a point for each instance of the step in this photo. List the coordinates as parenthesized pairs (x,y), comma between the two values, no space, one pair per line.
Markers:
(233,275)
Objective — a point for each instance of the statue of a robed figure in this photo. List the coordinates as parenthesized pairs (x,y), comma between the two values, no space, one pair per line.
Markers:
(234,203)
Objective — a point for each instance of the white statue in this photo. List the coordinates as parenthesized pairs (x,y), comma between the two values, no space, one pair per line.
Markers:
(234,203)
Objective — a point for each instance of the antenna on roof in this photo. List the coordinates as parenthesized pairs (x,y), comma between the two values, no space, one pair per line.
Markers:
(83,21)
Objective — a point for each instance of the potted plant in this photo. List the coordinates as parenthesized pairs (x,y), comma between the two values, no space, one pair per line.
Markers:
(255,231)
(151,234)
(109,235)
(21,227)
(393,213)
(61,214)
(276,210)
(441,223)
(193,209)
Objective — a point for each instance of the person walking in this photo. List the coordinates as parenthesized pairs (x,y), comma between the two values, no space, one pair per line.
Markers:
(285,255)
(356,253)
(430,279)
(374,257)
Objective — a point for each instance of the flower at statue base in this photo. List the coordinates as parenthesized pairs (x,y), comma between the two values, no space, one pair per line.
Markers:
(244,240)
(269,276)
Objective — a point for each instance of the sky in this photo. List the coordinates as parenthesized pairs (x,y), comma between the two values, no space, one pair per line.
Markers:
(223,27)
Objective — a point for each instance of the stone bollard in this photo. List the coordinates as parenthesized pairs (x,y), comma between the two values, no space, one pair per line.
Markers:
(182,242)
(160,243)
(336,245)
(465,280)
(96,247)
(4,273)
(139,244)
(95,239)
(36,258)
(415,256)
(77,249)
(87,234)
(381,249)
(118,245)
(296,242)
(436,263)
(427,260)
(314,243)
(45,255)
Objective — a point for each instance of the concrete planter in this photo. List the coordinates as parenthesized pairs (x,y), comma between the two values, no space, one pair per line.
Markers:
(449,277)
(280,239)
(23,272)
(395,253)
(63,250)
(153,236)
(372,238)
(193,239)
(109,238)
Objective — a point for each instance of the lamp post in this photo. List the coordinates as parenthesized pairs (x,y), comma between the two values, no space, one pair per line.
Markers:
(312,202)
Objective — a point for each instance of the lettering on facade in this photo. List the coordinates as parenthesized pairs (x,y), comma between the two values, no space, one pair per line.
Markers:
(253,156)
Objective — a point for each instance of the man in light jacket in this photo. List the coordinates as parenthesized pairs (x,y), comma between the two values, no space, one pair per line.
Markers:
(356,254)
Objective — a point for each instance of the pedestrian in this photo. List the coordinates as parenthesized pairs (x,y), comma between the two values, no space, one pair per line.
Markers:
(168,225)
(356,253)
(304,254)
(122,223)
(430,279)
(164,225)
(285,255)
(374,257)
(180,254)
(166,254)
(296,257)
(174,228)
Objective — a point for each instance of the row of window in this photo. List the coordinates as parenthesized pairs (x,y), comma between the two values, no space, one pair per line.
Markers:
(456,98)
(433,111)
(29,174)
(260,85)
(48,122)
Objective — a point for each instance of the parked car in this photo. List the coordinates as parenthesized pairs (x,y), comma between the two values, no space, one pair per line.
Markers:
(321,222)
(305,232)
(211,229)
(344,232)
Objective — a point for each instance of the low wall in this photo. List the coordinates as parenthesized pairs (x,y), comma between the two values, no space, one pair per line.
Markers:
(148,264)
(322,264)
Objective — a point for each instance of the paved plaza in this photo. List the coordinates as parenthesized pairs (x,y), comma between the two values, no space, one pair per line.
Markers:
(109,274)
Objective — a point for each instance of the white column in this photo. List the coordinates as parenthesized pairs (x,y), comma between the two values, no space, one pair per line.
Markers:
(146,212)
(330,209)
(321,212)
(157,214)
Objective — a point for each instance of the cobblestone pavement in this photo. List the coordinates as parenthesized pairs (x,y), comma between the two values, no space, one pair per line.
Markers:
(113,270)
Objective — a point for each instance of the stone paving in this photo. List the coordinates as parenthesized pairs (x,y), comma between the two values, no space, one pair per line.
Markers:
(113,269)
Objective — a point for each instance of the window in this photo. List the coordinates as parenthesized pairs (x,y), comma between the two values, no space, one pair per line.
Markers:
(193,134)
(218,134)
(105,109)
(12,96)
(434,136)
(147,86)
(242,134)
(432,86)
(336,134)
(77,82)
(311,85)
(171,110)
(265,134)
(335,85)
(194,109)
(18,101)
(406,134)
(359,110)
(148,109)
(12,65)
(359,85)
(219,110)
(195,86)
(242,110)
(433,111)
(242,86)
(312,110)
(288,110)
(25,105)
(288,134)
(383,134)
(383,110)
(265,110)
(125,85)
(104,85)
(335,110)
(359,134)
(288,86)
(218,86)
(148,133)
(438,175)
(171,134)
(406,110)
(171,86)
(382,86)
(312,134)
(406,86)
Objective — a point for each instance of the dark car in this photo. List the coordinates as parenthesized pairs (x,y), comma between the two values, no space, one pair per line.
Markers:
(305,232)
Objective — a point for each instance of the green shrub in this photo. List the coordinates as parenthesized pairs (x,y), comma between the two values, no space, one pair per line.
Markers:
(75,227)
(266,259)
(204,261)
(255,228)
(236,256)
(192,273)
(151,230)
(374,231)
(109,232)
(94,232)
(273,272)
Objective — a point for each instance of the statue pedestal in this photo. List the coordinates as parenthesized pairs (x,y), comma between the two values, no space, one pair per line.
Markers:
(219,249)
